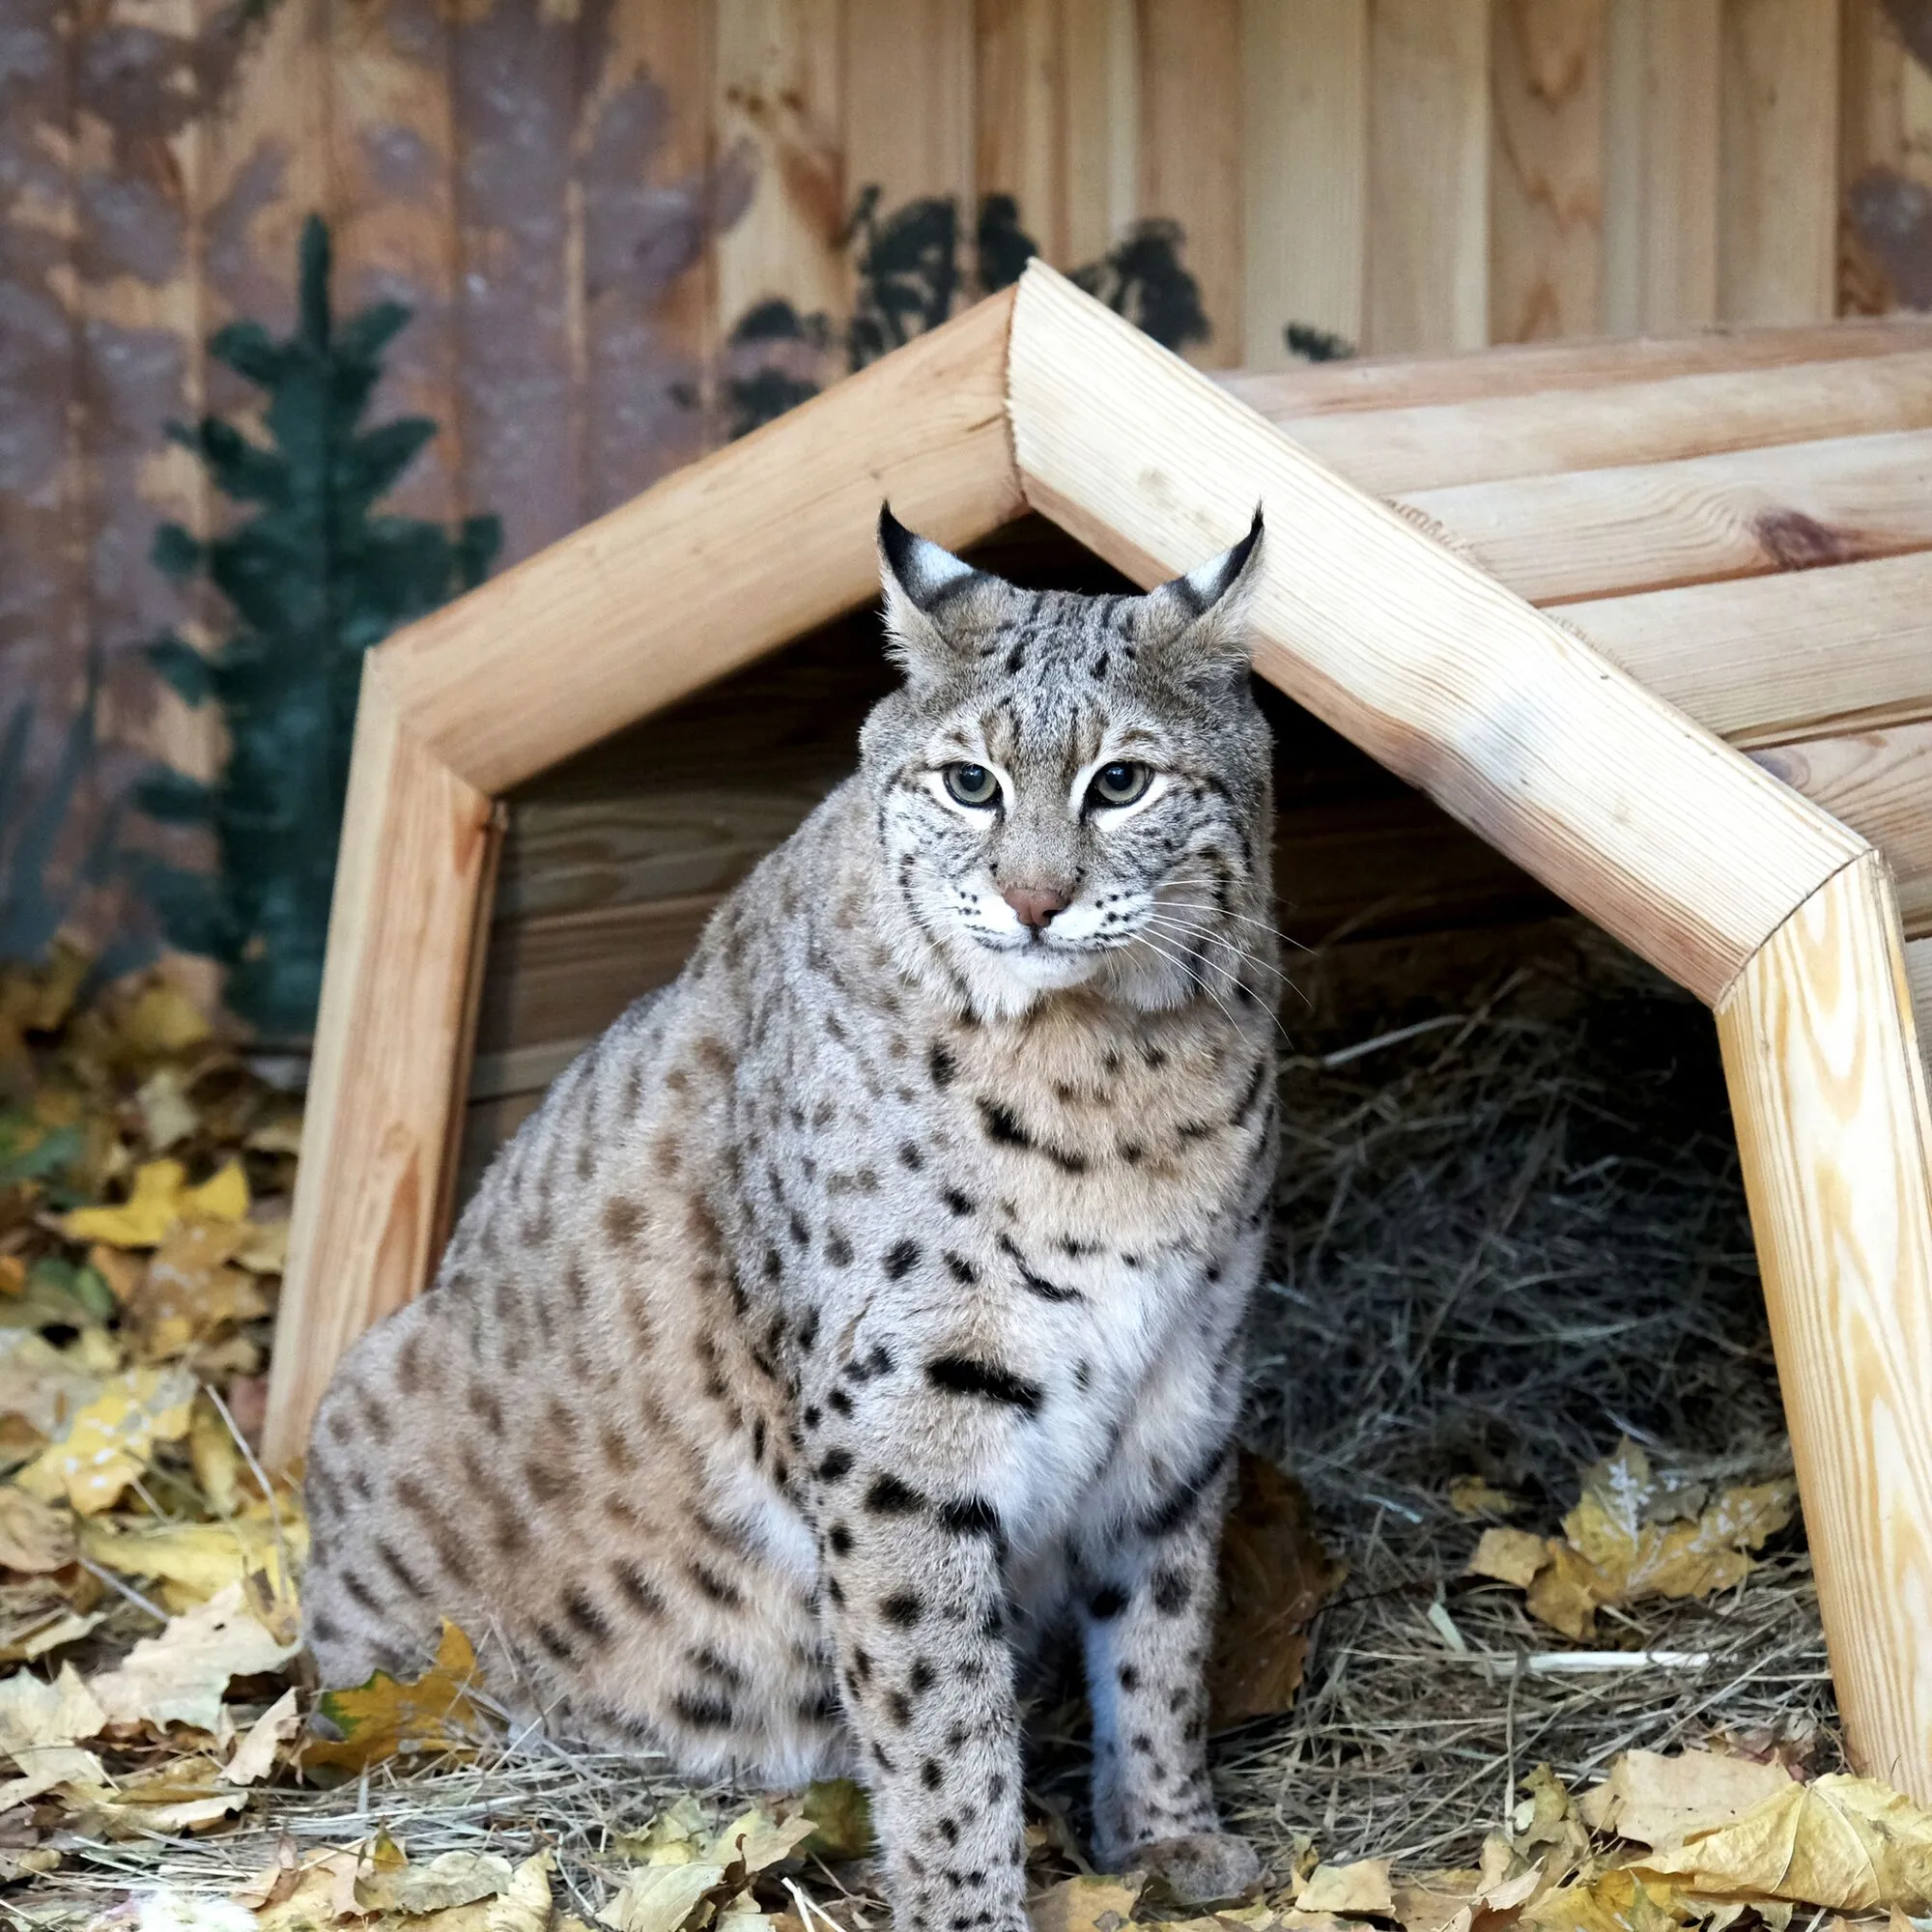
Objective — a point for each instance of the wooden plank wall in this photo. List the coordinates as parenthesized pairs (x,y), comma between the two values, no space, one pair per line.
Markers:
(581,198)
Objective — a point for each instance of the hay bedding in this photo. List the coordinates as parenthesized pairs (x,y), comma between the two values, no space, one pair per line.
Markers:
(1509,1233)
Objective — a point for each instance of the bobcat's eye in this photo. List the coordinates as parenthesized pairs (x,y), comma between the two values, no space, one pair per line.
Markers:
(1119,783)
(972,784)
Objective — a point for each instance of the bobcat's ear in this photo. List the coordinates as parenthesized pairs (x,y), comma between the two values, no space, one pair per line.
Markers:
(928,601)
(1195,627)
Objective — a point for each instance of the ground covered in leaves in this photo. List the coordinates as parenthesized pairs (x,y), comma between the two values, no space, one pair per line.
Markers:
(1528,1637)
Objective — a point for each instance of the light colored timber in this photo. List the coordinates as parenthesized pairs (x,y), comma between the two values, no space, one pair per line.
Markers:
(1528,368)
(1506,719)
(668,593)
(1758,660)
(1918,978)
(1642,527)
(1440,446)
(1828,1090)
(392,1048)
(1879,783)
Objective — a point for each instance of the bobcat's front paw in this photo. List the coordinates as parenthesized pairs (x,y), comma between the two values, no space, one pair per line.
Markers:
(1201,1868)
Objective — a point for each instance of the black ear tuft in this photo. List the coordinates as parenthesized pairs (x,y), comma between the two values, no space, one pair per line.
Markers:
(1203,587)
(1198,624)
(916,566)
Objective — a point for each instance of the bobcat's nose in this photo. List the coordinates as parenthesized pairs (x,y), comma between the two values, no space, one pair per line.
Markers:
(1035,905)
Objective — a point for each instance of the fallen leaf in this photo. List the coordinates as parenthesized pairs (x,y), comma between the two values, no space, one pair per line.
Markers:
(264,1247)
(1275,1576)
(216,1457)
(109,1443)
(388,1713)
(33,1537)
(1616,1901)
(167,1114)
(46,1386)
(281,1133)
(1509,1556)
(201,1557)
(1848,1844)
(660,1898)
(254,1757)
(40,1729)
(525,1907)
(169,1910)
(1473,1496)
(1362,1887)
(757,1840)
(100,1810)
(1431,1901)
(189,1291)
(63,1627)
(158,1200)
(841,1814)
(178,1677)
(161,1019)
(1653,1798)
(451,1879)
(274,1883)
(1086,1905)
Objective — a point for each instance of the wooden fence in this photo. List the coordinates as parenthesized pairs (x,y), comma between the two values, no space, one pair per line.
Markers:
(581,198)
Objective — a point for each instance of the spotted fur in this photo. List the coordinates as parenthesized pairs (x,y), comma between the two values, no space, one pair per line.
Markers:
(868,1304)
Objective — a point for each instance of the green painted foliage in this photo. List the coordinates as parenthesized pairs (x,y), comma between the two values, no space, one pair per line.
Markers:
(312,579)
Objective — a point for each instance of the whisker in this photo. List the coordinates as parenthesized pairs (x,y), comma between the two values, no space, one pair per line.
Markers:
(1246,918)
(1175,928)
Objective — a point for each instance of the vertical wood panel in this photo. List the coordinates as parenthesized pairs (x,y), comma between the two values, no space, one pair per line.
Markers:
(1191,168)
(909,100)
(519,322)
(1101,113)
(1428,161)
(1545,183)
(654,197)
(779,96)
(1661,165)
(393,202)
(1306,64)
(1020,139)
(1779,224)
(1885,159)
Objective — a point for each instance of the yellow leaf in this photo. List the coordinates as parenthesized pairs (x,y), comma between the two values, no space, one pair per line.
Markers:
(1653,1798)
(1509,1556)
(163,1020)
(757,1840)
(1362,1887)
(1566,1593)
(660,1898)
(217,1458)
(388,1714)
(40,1729)
(451,1878)
(1473,1496)
(1086,1905)
(189,1292)
(152,1207)
(110,1440)
(1849,1844)
(222,1196)
(1428,1903)
(180,1677)
(841,1814)
(167,1114)
(201,1557)
(46,1386)
(1617,1901)
(34,1539)
(263,1248)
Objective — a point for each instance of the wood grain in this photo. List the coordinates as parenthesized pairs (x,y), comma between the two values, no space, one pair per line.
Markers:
(1101,124)
(1405,382)
(1021,146)
(1879,783)
(1429,174)
(1430,446)
(1306,166)
(1506,719)
(779,101)
(1546,170)
(1191,160)
(1763,658)
(664,595)
(1777,229)
(1662,165)
(1918,980)
(1829,1094)
(392,1049)
(1594,532)
(908,102)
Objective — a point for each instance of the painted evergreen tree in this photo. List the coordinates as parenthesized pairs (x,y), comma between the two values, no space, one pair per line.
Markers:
(313,579)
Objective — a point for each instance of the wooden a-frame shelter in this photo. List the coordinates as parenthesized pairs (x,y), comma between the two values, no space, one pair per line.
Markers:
(1774,913)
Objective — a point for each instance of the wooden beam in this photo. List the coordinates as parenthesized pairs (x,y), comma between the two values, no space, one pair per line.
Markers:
(1506,719)
(1523,369)
(1594,532)
(392,1051)
(1440,445)
(1918,980)
(1827,1090)
(1761,660)
(678,587)
(1879,783)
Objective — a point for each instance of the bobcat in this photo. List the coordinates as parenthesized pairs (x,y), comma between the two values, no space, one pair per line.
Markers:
(868,1304)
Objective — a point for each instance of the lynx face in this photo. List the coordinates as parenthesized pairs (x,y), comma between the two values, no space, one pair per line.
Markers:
(1071,789)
